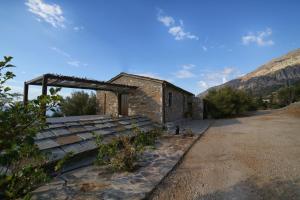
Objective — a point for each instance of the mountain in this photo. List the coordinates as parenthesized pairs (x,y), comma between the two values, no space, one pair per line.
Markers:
(279,72)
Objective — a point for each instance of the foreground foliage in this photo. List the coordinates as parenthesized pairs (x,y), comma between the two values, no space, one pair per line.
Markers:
(20,159)
(227,102)
(122,153)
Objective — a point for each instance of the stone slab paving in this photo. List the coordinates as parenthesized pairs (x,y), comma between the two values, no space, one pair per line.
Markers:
(94,182)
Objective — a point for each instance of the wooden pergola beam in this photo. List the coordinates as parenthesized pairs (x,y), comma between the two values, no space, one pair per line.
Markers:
(79,83)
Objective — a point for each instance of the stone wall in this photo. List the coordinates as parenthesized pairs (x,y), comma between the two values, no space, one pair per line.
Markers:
(179,108)
(146,100)
(108,106)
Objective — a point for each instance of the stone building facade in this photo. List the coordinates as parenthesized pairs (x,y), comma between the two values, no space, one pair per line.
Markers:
(157,99)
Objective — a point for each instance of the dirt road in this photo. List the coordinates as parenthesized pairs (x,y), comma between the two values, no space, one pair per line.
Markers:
(255,157)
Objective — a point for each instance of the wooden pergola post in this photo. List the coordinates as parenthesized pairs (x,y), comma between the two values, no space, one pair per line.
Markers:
(44,92)
(25,97)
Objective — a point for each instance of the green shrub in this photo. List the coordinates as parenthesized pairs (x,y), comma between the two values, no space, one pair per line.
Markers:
(226,102)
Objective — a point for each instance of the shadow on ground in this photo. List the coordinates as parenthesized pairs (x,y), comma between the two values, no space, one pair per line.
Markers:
(226,122)
(249,189)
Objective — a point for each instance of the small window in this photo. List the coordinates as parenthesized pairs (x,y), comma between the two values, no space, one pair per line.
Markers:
(170,99)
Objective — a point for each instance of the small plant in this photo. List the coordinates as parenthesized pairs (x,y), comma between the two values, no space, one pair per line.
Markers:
(60,164)
(122,153)
(142,139)
(126,158)
(188,133)
(106,150)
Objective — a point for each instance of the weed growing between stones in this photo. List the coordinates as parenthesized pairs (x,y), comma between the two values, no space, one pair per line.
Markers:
(106,150)
(142,139)
(122,153)
(188,133)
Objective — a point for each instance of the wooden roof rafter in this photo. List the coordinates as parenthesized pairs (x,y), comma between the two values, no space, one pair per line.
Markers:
(55,80)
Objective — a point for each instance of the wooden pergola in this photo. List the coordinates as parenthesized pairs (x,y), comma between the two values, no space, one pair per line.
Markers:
(55,80)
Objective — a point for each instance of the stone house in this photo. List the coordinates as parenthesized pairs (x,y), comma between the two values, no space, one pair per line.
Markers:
(156,99)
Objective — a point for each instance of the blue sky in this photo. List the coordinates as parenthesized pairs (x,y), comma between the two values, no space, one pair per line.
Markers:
(193,44)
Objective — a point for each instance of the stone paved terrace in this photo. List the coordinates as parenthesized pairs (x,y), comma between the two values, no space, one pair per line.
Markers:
(94,182)
(77,134)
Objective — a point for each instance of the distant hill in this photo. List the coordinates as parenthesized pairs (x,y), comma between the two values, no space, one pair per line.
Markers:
(269,77)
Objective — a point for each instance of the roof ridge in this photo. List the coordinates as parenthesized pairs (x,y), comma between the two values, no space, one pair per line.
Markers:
(149,78)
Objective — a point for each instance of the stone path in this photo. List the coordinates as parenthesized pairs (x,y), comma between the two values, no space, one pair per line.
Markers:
(94,182)
(254,157)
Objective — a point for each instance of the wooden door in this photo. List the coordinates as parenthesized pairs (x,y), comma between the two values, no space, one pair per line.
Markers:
(123,104)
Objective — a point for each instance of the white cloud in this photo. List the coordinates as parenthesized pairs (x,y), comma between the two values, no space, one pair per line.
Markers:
(175,30)
(61,52)
(212,78)
(50,13)
(166,20)
(224,79)
(74,63)
(260,38)
(228,70)
(70,60)
(78,28)
(202,85)
(188,66)
(204,48)
(185,72)
(180,34)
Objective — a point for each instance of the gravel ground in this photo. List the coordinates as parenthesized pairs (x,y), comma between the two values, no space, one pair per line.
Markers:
(255,157)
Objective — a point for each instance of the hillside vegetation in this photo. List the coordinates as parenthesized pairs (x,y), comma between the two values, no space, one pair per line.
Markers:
(279,72)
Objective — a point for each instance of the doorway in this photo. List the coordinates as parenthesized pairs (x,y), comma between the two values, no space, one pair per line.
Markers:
(123,104)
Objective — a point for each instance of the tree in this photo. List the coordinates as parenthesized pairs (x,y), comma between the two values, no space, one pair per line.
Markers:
(288,95)
(226,102)
(80,103)
(20,159)
(259,103)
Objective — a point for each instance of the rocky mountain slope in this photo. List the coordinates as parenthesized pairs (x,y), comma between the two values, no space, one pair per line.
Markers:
(279,72)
